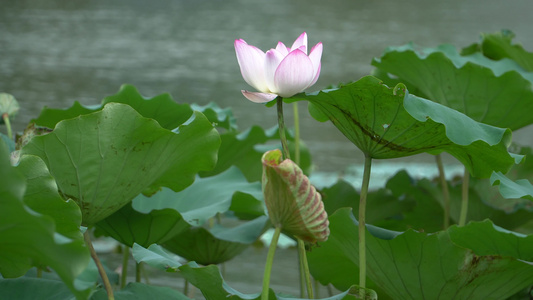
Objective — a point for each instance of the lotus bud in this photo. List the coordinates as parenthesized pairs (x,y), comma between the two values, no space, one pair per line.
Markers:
(292,202)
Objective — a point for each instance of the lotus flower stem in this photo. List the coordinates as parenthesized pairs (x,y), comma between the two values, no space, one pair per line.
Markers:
(296,133)
(8,126)
(138,268)
(464,200)
(305,268)
(286,153)
(99,265)
(362,225)
(269,262)
(281,126)
(125,259)
(445,191)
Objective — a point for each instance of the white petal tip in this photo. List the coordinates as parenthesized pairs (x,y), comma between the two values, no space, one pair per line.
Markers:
(259,97)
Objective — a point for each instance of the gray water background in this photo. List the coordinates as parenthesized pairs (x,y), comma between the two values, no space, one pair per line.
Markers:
(53,52)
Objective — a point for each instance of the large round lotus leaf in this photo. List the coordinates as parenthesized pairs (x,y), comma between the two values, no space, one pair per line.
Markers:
(103,160)
(389,123)
(498,93)
(477,261)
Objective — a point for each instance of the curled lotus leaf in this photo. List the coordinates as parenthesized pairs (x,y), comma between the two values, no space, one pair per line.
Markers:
(292,202)
(8,105)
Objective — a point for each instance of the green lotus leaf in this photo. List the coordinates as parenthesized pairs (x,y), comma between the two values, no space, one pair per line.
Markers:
(245,149)
(521,188)
(129,226)
(169,215)
(140,291)
(26,288)
(49,117)
(498,93)
(41,195)
(293,204)
(217,244)
(105,159)
(8,105)
(498,45)
(386,123)
(161,108)
(204,199)
(213,286)
(405,264)
(487,239)
(220,117)
(156,257)
(9,142)
(28,238)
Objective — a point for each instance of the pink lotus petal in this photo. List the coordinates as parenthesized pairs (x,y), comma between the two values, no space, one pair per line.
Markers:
(282,49)
(315,56)
(294,74)
(316,76)
(259,97)
(251,61)
(300,41)
(272,61)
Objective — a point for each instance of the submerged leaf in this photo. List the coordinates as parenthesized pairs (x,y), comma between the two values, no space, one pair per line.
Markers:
(292,202)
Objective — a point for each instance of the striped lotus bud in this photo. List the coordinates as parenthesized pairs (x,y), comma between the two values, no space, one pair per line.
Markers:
(292,202)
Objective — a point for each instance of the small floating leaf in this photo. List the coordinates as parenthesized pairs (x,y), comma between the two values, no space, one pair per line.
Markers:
(292,202)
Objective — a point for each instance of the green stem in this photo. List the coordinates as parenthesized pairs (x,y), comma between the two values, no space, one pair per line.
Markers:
(301,273)
(281,126)
(125,259)
(99,265)
(138,267)
(304,266)
(464,200)
(8,126)
(269,262)
(39,272)
(362,225)
(445,191)
(296,133)
(186,288)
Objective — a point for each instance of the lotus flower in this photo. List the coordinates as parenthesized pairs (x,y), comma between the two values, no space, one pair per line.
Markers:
(292,202)
(278,72)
